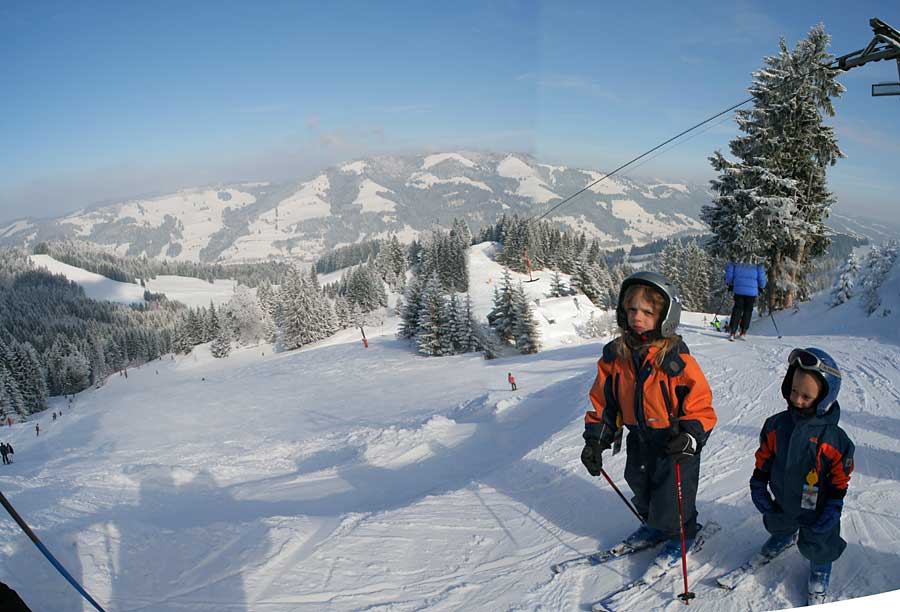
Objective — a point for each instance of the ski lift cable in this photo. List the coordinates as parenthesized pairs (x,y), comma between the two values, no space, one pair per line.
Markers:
(836,64)
(675,144)
(641,156)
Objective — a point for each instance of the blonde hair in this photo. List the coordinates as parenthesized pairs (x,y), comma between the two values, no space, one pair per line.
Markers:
(656,298)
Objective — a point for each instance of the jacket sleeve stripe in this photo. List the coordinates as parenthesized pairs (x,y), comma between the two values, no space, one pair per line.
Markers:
(766,451)
(839,478)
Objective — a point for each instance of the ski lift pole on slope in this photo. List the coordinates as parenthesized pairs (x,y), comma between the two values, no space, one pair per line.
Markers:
(365,341)
(531,279)
(40,545)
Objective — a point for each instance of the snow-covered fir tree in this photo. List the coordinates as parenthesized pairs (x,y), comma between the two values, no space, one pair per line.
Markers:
(843,286)
(306,315)
(772,201)
(525,328)
(434,334)
(502,316)
(875,267)
(221,345)
(469,339)
(412,305)
(557,286)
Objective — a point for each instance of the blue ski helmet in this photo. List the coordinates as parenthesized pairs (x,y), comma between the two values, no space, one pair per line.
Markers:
(671,314)
(820,363)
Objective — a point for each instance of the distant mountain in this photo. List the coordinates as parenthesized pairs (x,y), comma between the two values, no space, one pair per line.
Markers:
(372,198)
(876,231)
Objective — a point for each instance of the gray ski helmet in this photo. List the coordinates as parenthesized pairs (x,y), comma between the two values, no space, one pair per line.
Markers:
(821,364)
(671,315)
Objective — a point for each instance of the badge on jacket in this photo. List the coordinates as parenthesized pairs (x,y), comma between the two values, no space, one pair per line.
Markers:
(810,491)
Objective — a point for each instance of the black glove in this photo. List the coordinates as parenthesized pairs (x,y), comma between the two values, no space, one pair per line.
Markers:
(682,446)
(759,494)
(731,288)
(591,457)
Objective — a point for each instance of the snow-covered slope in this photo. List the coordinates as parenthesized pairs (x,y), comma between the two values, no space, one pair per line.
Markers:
(343,478)
(192,292)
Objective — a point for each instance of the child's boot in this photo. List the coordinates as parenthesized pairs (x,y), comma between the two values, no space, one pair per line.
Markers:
(644,537)
(777,544)
(819,575)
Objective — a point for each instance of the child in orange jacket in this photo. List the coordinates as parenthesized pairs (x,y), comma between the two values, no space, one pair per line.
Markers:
(648,381)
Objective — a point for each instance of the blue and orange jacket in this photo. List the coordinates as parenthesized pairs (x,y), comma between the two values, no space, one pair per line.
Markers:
(793,448)
(645,395)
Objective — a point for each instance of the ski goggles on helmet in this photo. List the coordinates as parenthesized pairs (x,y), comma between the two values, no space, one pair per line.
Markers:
(810,361)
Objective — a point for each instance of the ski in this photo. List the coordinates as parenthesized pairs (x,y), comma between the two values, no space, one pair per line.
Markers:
(602,556)
(654,573)
(732,579)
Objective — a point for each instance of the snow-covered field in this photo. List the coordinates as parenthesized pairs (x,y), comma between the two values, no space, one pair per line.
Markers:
(193,292)
(343,478)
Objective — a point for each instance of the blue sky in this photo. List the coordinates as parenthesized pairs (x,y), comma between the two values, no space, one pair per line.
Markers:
(106,100)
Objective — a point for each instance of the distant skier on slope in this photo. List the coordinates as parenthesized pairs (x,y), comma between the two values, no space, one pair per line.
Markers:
(746,281)
(645,377)
(512,381)
(806,459)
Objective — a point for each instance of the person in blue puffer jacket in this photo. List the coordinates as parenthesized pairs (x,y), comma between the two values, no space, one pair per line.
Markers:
(746,281)
(805,459)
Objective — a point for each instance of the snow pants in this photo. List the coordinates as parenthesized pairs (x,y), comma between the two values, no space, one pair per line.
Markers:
(817,547)
(651,475)
(741,313)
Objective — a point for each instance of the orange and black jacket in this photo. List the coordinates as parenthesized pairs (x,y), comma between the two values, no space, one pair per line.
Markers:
(651,400)
(794,449)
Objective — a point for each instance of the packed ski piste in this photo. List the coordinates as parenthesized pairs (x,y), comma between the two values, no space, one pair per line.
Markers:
(748,476)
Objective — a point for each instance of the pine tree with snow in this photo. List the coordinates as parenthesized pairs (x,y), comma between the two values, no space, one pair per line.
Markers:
(671,263)
(843,287)
(221,344)
(412,305)
(33,382)
(15,400)
(502,316)
(699,277)
(772,202)
(434,336)
(557,286)
(469,338)
(875,268)
(525,328)
(76,371)
(342,311)
(211,326)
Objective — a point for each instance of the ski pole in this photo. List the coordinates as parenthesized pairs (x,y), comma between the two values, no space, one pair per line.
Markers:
(771,314)
(47,553)
(616,489)
(716,314)
(687,596)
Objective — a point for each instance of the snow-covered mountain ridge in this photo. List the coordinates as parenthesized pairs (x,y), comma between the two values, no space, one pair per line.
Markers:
(368,199)
(339,478)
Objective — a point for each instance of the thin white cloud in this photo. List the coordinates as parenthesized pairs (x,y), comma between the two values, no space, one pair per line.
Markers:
(568,81)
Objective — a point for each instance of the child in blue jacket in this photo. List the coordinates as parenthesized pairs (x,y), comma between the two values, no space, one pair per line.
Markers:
(805,459)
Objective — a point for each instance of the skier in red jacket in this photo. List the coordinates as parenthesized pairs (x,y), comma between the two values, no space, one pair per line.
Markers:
(512,381)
